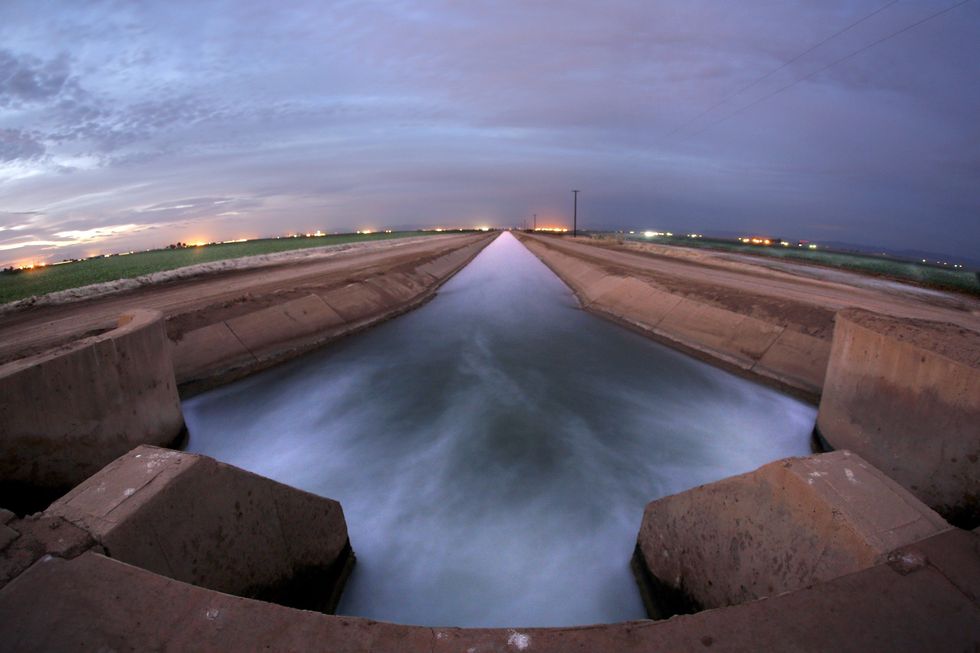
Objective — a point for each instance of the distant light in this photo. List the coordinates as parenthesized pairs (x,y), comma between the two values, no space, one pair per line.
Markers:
(632,232)
(812,246)
(650,234)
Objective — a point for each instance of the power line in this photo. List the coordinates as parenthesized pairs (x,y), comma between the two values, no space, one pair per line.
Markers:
(828,66)
(784,65)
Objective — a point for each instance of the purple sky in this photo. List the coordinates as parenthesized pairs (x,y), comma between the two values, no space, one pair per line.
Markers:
(128,125)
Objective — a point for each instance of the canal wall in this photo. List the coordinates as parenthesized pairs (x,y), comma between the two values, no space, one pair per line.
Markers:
(785,352)
(129,561)
(783,527)
(248,339)
(905,395)
(71,409)
(67,412)
(923,598)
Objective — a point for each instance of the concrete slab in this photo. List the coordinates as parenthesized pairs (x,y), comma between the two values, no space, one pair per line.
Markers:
(444,266)
(634,299)
(208,348)
(267,331)
(399,286)
(705,327)
(357,301)
(797,359)
(787,525)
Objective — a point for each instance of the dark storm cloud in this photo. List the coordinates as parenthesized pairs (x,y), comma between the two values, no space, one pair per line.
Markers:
(336,115)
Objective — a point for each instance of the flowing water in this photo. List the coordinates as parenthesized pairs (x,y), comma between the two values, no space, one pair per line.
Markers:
(494,449)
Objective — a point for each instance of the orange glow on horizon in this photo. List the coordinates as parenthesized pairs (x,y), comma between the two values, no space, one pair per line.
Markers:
(559,230)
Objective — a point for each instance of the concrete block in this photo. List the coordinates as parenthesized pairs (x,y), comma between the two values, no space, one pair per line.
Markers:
(787,525)
(269,330)
(905,395)
(197,520)
(67,412)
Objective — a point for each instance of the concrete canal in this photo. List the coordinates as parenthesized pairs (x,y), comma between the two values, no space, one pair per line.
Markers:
(494,449)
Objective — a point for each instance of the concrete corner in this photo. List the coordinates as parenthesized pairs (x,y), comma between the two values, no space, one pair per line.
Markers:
(197,520)
(905,395)
(67,412)
(783,527)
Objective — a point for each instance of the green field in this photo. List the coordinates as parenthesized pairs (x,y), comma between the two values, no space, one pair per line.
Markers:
(933,276)
(40,281)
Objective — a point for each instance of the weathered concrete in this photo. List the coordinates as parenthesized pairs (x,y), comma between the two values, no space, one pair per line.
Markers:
(787,525)
(905,395)
(25,541)
(203,522)
(925,598)
(760,343)
(67,412)
(246,340)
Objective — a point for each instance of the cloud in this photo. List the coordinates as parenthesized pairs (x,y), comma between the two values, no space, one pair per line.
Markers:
(16,144)
(408,113)
(97,233)
(27,79)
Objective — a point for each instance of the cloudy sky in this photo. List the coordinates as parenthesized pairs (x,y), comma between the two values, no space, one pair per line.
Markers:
(129,125)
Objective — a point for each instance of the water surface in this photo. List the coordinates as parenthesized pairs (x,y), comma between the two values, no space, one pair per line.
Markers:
(494,449)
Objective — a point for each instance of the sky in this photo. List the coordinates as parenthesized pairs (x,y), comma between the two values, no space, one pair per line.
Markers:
(129,125)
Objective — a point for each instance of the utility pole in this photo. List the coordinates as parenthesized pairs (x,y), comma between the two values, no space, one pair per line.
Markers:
(535,221)
(575,214)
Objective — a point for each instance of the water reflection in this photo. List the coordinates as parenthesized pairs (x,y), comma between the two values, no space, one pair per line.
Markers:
(494,450)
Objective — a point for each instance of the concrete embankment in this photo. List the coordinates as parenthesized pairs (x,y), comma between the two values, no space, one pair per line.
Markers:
(905,395)
(245,338)
(784,342)
(68,412)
